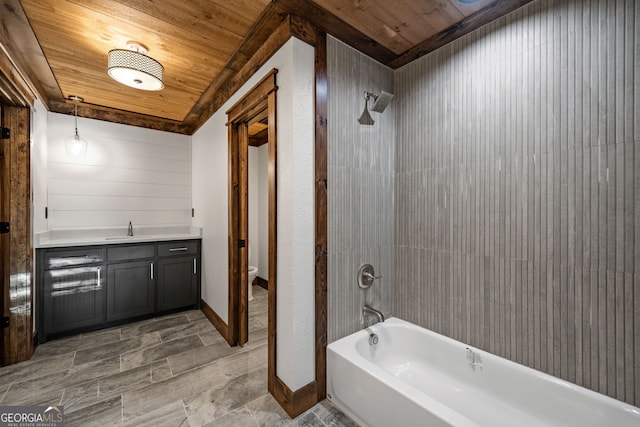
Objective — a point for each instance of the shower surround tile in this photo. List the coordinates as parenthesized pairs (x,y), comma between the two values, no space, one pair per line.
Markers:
(499,193)
(361,163)
(517,216)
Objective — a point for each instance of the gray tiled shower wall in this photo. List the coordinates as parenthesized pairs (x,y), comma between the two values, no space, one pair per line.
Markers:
(361,163)
(515,172)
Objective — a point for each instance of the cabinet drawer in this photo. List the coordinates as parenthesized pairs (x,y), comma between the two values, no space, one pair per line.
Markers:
(178,248)
(73,258)
(125,253)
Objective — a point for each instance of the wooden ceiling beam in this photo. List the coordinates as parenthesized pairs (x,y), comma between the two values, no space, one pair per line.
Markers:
(333,25)
(281,20)
(14,90)
(472,22)
(113,115)
(267,36)
(20,44)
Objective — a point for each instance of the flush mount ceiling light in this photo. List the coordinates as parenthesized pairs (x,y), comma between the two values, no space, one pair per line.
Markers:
(132,67)
(75,145)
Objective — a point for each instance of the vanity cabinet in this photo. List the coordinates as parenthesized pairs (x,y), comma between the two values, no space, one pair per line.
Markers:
(92,287)
(177,274)
(74,289)
(130,281)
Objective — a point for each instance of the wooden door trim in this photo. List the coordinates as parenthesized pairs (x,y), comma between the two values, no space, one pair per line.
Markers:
(296,402)
(321,245)
(17,253)
(260,98)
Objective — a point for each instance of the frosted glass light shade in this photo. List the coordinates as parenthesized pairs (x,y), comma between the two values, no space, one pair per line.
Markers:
(76,146)
(135,69)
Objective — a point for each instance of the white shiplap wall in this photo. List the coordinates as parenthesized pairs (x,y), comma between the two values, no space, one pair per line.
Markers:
(129,174)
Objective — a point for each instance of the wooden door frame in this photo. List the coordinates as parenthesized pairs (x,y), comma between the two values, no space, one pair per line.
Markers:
(260,98)
(16,254)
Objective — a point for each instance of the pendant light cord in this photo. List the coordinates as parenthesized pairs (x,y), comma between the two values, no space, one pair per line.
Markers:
(76,116)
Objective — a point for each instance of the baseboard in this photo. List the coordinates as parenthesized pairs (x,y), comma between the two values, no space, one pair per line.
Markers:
(215,320)
(294,402)
(261,282)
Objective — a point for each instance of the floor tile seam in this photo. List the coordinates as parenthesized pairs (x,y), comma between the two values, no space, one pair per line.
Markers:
(242,351)
(121,408)
(148,365)
(162,340)
(170,370)
(175,376)
(73,359)
(6,391)
(140,348)
(203,343)
(99,400)
(148,362)
(184,408)
(64,391)
(251,414)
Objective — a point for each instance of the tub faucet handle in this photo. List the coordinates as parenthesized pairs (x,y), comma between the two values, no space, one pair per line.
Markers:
(371,276)
(130,229)
(366,276)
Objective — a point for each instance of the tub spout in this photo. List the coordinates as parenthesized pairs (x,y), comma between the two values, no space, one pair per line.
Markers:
(370,311)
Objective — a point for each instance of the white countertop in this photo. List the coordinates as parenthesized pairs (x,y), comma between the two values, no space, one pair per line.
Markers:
(105,236)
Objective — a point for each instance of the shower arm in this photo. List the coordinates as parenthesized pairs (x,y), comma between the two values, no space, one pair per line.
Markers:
(368,96)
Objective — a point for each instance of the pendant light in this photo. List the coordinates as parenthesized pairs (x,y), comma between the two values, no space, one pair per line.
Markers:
(75,145)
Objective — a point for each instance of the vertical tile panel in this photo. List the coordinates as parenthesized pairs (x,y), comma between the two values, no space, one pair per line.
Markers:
(361,196)
(516,191)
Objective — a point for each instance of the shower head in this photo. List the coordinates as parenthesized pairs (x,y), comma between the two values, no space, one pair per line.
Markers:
(365,117)
(381,101)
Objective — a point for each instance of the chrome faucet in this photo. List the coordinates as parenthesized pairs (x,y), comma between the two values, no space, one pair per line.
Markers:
(370,311)
(130,229)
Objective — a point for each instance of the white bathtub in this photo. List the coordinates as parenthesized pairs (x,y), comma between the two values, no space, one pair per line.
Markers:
(415,377)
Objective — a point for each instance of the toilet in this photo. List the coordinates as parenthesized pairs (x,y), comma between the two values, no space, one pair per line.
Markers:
(253,272)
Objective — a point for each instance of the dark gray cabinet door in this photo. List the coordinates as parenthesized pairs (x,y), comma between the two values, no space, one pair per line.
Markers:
(73,298)
(177,282)
(130,289)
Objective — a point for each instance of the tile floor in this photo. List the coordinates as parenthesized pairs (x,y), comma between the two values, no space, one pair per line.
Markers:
(169,371)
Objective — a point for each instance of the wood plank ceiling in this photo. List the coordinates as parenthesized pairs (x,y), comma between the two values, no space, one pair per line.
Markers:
(60,46)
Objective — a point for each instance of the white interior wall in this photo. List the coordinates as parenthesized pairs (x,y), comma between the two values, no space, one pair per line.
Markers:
(210,203)
(295,172)
(259,209)
(39,166)
(38,159)
(128,174)
(263,207)
(254,208)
